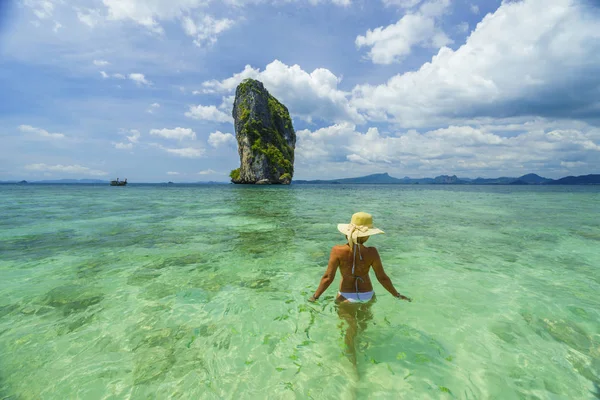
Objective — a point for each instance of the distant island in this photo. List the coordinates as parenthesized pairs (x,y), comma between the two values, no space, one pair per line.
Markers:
(529,179)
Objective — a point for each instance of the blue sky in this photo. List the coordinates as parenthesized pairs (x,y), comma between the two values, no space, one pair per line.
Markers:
(142,89)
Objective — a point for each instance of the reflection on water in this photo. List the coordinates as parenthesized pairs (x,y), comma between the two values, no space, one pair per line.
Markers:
(200,292)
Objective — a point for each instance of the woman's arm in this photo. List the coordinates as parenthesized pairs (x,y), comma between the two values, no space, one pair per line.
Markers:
(328,276)
(382,277)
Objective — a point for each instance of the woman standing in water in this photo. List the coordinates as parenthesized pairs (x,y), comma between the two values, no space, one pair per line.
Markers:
(354,259)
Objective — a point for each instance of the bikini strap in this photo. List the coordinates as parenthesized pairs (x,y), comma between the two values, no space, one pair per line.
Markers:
(356,278)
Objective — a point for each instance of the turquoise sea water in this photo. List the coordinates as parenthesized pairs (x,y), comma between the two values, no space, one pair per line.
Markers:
(200,292)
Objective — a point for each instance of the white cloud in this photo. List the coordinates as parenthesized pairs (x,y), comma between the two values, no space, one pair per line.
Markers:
(149,13)
(401,3)
(69,169)
(153,107)
(507,67)
(89,17)
(355,158)
(185,152)
(208,113)
(463,27)
(456,149)
(206,30)
(42,9)
(218,139)
(474,8)
(207,172)
(176,133)
(573,164)
(139,79)
(40,132)
(121,76)
(101,63)
(172,173)
(307,95)
(394,42)
(57,26)
(133,137)
(123,146)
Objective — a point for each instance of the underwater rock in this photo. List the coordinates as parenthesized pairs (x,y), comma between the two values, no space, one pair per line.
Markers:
(72,298)
(256,284)
(151,364)
(265,136)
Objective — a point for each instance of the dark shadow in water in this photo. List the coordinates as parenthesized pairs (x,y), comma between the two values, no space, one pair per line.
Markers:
(270,205)
(72,298)
(596,392)
(263,228)
(7,309)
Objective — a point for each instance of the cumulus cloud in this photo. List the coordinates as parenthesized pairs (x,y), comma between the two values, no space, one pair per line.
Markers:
(153,107)
(463,27)
(218,139)
(139,79)
(42,9)
(68,169)
(207,172)
(507,67)
(206,30)
(172,173)
(101,63)
(132,136)
(307,95)
(208,113)
(40,132)
(115,76)
(185,152)
(123,146)
(474,8)
(203,28)
(394,42)
(176,133)
(135,136)
(455,149)
(89,17)
(401,3)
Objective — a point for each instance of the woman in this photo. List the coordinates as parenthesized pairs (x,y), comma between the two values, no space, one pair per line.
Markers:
(354,260)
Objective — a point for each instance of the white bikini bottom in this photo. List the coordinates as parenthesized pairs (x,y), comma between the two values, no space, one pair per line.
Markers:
(354,297)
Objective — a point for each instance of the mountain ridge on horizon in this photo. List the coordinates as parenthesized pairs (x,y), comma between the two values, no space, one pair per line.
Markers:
(527,179)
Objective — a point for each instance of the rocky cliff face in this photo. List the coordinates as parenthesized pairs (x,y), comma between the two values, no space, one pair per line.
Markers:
(265,136)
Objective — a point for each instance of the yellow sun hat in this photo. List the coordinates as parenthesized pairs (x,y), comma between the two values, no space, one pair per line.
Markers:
(360,225)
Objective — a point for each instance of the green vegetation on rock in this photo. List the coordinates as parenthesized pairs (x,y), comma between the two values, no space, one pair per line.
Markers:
(235,174)
(278,111)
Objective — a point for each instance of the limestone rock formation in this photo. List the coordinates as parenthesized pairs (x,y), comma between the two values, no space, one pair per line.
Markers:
(265,136)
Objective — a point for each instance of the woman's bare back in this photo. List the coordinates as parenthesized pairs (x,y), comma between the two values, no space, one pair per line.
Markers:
(364,259)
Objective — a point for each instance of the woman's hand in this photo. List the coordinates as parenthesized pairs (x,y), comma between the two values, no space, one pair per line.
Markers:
(402,297)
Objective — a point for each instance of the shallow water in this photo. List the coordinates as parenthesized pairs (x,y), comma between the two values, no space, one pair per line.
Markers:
(200,292)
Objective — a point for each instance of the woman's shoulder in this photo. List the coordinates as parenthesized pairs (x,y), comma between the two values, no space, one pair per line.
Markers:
(371,249)
(340,247)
